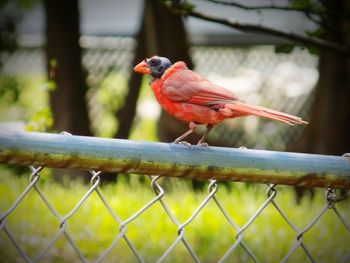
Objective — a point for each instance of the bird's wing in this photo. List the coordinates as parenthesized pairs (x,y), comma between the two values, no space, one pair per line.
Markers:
(190,87)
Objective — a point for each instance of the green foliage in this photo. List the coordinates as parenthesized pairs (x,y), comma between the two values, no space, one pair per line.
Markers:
(9,89)
(187,6)
(319,32)
(20,97)
(300,3)
(284,48)
(26,99)
(210,235)
(40,121)
(313,50)
(48,86)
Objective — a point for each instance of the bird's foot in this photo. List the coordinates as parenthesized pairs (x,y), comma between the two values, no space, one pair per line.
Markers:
(243,147)
(183,143)
(203,144)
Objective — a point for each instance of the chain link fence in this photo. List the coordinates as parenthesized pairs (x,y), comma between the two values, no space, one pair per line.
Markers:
(334,203)
(121,232)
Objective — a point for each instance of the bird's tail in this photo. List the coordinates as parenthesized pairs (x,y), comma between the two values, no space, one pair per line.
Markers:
(247,109)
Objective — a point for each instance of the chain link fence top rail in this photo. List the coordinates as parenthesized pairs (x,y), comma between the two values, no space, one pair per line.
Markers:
(215,164)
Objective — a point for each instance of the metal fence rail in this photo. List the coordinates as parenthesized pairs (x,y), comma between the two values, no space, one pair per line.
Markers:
(113,155)
(77,152)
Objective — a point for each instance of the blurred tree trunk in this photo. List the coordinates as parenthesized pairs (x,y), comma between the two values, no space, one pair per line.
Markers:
(127,113)
(162,33)
(68,99)
(328,131)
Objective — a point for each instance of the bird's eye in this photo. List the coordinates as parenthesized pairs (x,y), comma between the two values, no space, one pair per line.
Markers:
(154,61)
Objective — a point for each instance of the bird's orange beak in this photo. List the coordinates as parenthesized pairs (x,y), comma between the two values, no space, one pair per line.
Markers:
(142,68)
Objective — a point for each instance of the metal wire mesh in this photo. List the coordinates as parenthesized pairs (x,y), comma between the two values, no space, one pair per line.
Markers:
(331,200)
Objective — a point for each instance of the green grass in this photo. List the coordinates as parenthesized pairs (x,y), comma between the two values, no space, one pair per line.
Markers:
(210,235)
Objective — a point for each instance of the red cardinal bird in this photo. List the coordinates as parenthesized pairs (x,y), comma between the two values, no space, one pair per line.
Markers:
(194,100)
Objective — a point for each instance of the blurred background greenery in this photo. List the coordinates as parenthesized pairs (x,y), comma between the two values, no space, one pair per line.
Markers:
(67,66)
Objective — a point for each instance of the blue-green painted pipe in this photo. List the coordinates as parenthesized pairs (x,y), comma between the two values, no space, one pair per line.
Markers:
(114,155)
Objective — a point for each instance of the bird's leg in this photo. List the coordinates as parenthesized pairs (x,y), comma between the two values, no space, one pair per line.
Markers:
(201,141)
(192,127)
